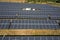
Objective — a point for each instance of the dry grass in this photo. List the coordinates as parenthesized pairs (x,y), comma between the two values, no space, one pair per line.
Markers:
(54,4)
(12,0)
(29,32)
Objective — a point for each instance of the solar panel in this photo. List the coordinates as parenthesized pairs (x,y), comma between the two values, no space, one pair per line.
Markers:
(4,21)
(30,38)
(55,17)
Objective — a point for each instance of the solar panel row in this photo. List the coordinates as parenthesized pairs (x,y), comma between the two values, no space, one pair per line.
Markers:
(30,38)
(23,16)
(29,24)
(20,12)
(27,21)
(29,16)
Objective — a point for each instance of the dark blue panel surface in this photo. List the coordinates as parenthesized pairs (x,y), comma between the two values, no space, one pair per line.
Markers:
(30,38)
(29,24)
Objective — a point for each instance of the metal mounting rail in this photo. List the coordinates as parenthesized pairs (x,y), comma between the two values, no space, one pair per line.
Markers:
(24,18)
(29,32)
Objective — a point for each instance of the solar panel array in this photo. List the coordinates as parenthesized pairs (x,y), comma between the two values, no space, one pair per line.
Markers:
(13,17)
(28,19)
